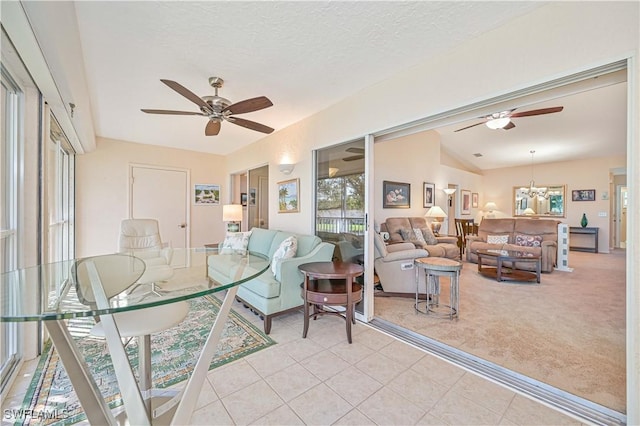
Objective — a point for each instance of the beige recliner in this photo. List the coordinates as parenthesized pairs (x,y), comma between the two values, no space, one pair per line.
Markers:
(141,238)
(394,265)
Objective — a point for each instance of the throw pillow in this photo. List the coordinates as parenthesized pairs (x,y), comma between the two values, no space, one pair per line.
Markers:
(286,250)
(429,237)
(498,239)
(418,236)
(406,234)
(528,240)
(235,242)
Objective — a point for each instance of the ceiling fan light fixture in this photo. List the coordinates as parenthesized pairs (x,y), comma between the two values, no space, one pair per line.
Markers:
(498,123)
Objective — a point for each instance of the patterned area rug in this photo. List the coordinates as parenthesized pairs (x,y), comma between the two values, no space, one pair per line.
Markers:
(51,399)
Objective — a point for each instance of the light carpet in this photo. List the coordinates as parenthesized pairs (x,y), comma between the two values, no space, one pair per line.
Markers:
(174,354)
(568,331)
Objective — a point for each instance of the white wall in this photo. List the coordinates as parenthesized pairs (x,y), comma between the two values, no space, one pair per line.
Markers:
(102,199)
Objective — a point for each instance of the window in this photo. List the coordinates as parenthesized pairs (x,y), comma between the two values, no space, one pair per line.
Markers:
(11,101)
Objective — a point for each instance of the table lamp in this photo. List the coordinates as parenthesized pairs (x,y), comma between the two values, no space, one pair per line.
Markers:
(435,213)
(489,208)
(232,214)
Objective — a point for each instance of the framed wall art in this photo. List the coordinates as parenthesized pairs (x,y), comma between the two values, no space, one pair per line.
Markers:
(288,196)
(474,200)
(396,195)
(205,194)
(428,194)
(466,201)
(583,195)
(252,196)
(243,199)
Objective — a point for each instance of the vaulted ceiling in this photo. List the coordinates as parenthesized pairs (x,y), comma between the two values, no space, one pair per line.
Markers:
(305,57)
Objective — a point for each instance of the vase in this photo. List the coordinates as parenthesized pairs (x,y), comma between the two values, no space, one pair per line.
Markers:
(584,222)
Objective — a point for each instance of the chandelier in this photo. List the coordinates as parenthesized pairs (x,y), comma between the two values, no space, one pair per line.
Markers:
(532,191)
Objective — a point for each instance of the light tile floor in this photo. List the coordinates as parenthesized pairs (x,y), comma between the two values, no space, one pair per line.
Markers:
(323,380)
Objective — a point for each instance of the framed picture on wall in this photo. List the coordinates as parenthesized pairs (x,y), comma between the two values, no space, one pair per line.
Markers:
(288,198)
(205,194)
(396,195)
(474,200)
(428,194)
(583,195)
(252,196)
(466,201)
(243,198)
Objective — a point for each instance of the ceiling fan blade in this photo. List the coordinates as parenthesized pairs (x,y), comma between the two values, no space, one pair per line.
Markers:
(355,150)
(250,124)
(353,158)
(249,105)
(187,94)
(213,128)
(509,126)
(468,127)
(165,111)
(537,112)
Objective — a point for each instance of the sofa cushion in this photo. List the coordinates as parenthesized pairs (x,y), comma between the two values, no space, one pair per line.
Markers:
(260,241)
(235,242)
(286,250)
(528,240)
(498,239)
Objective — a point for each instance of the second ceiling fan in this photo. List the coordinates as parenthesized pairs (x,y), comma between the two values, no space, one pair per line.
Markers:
(217,108)
(502,120)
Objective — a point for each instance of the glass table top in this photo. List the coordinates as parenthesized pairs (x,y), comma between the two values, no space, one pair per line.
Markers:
(520,254)
(69,289)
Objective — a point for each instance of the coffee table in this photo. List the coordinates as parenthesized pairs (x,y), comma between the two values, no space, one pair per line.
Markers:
(511,273)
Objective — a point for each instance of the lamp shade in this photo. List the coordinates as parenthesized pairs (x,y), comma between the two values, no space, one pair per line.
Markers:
(528,211)
(490,206)
(232,213)
(449,191)
(435,212)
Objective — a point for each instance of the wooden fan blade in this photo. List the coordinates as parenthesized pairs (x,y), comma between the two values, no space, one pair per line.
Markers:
(509,126)
(187,94)
(537,112)
(468,127)
(213,128)
(353,158)
(165,111)
(249,105)
(355,150)
(250,124)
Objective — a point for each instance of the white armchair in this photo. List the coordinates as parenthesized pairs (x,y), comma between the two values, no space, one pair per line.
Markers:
(394,265)
(141,238)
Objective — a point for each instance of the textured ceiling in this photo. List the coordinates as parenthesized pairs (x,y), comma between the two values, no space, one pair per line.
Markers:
(304,56)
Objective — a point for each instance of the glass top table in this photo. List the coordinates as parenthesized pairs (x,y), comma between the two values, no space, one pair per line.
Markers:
(109,285)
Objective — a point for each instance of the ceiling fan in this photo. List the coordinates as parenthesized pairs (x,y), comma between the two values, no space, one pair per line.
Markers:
(502,120)
(354,150)
(217,108)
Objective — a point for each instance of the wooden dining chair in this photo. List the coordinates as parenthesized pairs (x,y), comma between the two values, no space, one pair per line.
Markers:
(464,227)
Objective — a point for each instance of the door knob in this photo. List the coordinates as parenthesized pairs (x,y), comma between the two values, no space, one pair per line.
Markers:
(182,225)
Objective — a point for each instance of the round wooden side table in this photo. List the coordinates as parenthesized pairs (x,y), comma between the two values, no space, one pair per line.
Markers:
(330,284)
(434,268)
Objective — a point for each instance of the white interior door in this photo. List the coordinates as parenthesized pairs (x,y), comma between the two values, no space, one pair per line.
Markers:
(163,194)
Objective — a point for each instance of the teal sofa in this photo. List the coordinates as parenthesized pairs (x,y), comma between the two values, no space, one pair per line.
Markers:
(270,295)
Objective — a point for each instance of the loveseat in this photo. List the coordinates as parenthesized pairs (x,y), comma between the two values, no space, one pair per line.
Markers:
(272,294)
(538,236)
(407,229)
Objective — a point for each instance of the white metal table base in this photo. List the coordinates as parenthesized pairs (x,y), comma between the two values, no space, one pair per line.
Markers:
(93,404)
